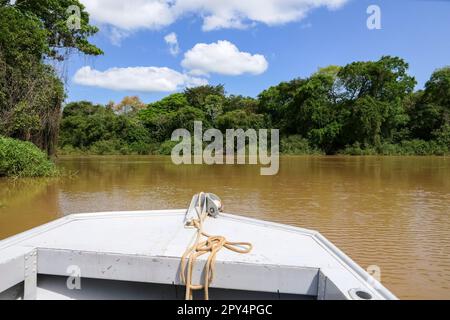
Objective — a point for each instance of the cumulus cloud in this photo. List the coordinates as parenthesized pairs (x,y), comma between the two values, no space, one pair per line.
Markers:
(172,41)
(216,14)
(142,79)
(117,35)
(131,14)
(222,57)
(219,14)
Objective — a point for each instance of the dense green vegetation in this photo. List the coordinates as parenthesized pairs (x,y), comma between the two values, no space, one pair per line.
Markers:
(23,159)
(364,108)
(34,36)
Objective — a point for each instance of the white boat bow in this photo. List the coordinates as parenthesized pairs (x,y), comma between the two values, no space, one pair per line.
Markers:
(129,255)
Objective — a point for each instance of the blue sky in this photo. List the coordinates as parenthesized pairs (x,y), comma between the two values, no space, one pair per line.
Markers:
(415,30)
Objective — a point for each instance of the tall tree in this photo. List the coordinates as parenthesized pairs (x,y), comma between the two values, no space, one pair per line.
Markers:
(66,23)
(432,109)
(196,96)
(31,94)
(276,100)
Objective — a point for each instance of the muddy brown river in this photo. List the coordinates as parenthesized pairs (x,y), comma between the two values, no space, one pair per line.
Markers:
(392,212)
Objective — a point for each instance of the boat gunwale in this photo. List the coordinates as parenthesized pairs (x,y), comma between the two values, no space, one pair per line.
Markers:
(334,251)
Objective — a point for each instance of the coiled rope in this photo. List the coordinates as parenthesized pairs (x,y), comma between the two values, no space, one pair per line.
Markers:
(211,245)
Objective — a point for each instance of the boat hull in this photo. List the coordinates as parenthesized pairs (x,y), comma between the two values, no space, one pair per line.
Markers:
(144,249)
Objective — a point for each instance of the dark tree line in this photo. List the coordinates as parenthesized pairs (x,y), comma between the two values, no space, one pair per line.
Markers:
(361,108)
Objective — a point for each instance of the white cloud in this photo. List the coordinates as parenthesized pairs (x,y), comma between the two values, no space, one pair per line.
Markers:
(117,35)
(222,57)
(216,14)
(131,14)
(219,14)
(142,79)
(172,41)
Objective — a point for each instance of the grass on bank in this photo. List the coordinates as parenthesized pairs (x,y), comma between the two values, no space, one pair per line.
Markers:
(20,159)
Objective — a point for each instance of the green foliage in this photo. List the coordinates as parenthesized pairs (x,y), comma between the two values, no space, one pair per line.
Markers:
(431,112)
(197,96)
(213,107)
(166,147)
(359,150)
(22,38)
(31,93)
(23,159)
(240,119)
(185,117)
(105,147)
(442,135)
(404,148)
(385,79)
(275,101)
(297,145)
(364,108)
(98,129)
(174,102)
(30,100)
(233,102)
(313,114)
(53,15)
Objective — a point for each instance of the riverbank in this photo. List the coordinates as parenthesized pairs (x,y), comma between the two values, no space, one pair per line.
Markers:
(289,146)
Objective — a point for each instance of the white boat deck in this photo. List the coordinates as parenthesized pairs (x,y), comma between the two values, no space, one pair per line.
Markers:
(147,246)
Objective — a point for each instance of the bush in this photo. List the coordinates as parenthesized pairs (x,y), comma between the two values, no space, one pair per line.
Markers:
(359,150)
(106,147)
(422,148)
(297,145)
(140,148)
(23,159)
(166,147)
(69,150)
(405,148)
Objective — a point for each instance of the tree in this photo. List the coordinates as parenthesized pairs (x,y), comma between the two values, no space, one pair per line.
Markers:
(213,107)
(373,94)
(22,38)
(158,116)
(172,102)
(385,79)
(234,102)
(196,96)
(85,125)
(313,114)
(432,109)
(31,93)
(54,15)
(240,119)
(276,100)
(331,70)
(129,105)
(361,108)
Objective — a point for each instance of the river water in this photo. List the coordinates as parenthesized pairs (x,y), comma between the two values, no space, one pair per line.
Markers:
(392,212)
